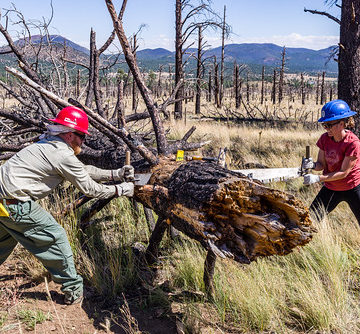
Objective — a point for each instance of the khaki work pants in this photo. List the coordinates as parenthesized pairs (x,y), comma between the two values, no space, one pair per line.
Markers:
(37,230)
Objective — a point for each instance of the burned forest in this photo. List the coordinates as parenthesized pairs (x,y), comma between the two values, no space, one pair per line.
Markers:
(229,214)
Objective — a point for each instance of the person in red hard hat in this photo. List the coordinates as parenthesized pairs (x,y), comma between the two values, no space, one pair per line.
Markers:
(339,159)
(31,174)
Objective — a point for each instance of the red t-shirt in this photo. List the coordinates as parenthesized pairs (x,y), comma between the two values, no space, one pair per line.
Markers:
(335,152)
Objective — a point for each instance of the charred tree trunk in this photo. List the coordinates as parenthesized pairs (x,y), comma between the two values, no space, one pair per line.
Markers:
(221,91)
(247,88)
(228,214)
(317,88)
(322,90)
(90,90)
(302,88)
(216,84)
(262,84)
(237,87)
(179,71)
(210,87)
(281,78)
(273,92)
(120,108)
(199,71)
(349,56)
(134,90)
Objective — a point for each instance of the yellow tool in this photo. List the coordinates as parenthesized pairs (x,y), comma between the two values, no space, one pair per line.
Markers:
(3,211)
(180,155)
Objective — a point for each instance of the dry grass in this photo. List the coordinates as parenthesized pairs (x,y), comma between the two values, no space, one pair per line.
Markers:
(315,289)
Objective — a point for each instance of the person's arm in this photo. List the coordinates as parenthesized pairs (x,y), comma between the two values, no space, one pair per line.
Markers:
(98,174)
(321,162)
(71,169)
(346,166)
(122,174)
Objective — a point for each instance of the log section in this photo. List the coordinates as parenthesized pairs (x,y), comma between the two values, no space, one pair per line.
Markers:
(230,215)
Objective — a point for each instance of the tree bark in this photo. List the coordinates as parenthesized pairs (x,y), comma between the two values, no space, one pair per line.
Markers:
(281,78)
(179,72)
(223,30)
(198,72)
(349,56)
(228,214)
(262,84)
(146,94)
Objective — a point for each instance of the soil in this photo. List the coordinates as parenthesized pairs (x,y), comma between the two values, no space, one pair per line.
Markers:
(93,315)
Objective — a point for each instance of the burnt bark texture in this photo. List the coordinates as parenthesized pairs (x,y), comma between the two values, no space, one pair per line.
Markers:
(262,85)
(349,56)
(227,213)
(222,62)
(281,77)
(179,72)
(199,71)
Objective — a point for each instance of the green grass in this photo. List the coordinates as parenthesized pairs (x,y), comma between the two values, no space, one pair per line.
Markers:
(30,318)
(3,318)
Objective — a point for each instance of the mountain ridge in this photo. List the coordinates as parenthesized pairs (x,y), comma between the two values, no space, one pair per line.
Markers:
(255,55)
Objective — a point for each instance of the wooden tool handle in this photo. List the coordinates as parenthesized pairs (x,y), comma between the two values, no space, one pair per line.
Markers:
(127,158)
(307,152)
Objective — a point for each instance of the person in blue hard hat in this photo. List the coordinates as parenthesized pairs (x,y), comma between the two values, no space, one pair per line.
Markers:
(338,159)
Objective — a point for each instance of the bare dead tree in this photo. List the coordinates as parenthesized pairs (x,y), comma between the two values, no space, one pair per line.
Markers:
(317,88)
(210,87)
(302,89)
(322,89)
(237,85)
(134,89)
(273,91)
(222,61)
(281,76)
(216,83)
(262,85)
(199,70)
(188,17)
(230,215)
(348,52)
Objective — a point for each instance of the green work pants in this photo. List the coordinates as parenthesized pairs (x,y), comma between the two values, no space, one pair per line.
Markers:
(37,230)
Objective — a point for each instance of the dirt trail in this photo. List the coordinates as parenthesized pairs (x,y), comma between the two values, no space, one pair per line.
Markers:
(19,295)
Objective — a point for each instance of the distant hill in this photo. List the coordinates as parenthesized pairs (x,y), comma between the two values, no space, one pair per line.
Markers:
(254,55)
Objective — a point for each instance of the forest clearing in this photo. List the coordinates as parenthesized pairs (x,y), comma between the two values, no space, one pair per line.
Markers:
(197,247)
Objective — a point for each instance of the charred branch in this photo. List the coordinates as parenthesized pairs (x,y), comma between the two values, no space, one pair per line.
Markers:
(324,14)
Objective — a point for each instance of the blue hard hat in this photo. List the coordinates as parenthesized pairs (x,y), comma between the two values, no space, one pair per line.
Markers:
(336,109)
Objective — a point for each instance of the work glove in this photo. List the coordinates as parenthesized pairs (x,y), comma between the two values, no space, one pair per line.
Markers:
(125,173)
(311,178)
(125,189)
(308,163)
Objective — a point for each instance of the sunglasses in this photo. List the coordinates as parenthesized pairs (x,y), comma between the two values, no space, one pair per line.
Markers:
(330,125)
(80,135)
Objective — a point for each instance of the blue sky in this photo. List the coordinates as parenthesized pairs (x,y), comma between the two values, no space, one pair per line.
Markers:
(282,22)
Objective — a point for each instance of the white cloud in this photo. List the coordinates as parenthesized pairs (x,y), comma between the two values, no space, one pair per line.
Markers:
(296,40)
(161,41)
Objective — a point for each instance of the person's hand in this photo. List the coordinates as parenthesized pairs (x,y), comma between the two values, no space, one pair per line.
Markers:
(125,189)
(308,163)
(125,173)
(311,178)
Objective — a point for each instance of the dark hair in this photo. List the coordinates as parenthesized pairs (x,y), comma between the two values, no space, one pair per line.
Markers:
(349,122)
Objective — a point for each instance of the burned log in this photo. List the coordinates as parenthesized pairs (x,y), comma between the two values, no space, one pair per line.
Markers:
(230,215)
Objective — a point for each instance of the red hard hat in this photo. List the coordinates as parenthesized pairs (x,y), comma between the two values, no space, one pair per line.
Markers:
(74,118)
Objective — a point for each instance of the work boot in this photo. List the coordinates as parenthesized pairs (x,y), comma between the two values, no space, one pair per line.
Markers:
(71,299)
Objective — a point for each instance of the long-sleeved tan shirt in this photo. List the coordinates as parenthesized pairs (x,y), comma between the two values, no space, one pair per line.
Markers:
(37,169)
